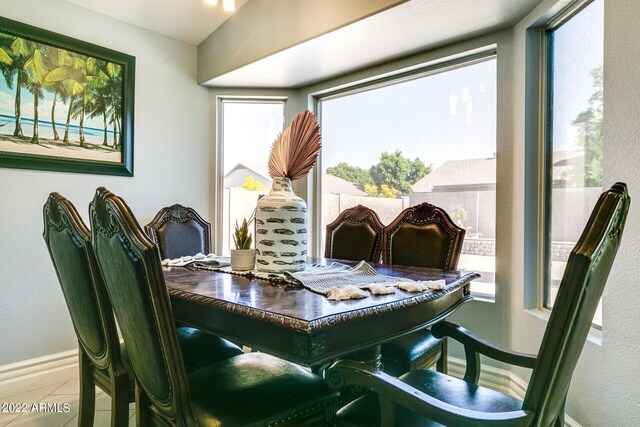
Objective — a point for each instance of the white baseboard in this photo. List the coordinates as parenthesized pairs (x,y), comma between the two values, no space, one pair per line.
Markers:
(39,372)
(500,380)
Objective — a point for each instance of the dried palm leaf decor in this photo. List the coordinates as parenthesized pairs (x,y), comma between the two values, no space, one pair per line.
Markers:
(296,149)
(281,216)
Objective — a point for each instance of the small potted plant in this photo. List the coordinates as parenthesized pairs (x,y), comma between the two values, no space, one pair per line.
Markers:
(243,257)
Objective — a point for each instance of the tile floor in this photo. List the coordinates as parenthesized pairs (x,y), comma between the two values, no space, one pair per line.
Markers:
(63,393)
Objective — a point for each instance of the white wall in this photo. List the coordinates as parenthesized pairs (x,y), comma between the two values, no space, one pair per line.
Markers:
(605,390)
(172,154)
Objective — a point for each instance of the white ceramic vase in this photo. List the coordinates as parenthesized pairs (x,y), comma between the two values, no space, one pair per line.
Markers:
(243,259)
(281,229)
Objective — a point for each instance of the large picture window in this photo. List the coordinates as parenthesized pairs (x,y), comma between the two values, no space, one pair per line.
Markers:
(249,128)
(574,134)
(429,136)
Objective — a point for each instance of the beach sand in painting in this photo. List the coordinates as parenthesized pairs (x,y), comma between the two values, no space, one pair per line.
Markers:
(49,147)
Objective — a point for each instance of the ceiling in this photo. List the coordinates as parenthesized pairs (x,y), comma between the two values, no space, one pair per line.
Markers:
(416,25)
(190,21)
(410,27)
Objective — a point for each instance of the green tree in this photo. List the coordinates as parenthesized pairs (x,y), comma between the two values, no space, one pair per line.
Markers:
(7,65)
(114,109)
(251,185)
(398,172)
(21,51)
(35,72)
(102,86)
(384,191)
(350,173)
(67,79)
(589,122)
(59,62)
(89,78)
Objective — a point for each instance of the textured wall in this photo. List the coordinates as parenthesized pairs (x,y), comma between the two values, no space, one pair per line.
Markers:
(172,164)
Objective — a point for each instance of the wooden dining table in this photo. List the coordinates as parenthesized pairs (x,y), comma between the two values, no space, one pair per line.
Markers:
(304,327)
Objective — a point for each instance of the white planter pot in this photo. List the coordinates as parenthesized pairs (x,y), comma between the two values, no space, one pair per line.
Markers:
(243,259)
(281,230)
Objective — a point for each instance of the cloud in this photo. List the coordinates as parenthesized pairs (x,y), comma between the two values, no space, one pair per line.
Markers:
(6,104)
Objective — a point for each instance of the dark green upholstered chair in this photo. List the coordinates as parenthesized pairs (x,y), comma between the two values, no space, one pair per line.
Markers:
(103,361)
(356,234)
(424,398)
(179,230)
(424,236)
(100,360)
(247,390)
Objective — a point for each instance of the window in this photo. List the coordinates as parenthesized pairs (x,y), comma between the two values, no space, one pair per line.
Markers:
(428,136)
(574,134)
(247,133)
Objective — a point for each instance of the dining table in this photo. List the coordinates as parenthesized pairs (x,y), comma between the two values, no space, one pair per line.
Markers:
(293,323)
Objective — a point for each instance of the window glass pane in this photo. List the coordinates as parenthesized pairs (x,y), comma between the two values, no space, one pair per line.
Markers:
(248,131)
(576,59)
(429,139)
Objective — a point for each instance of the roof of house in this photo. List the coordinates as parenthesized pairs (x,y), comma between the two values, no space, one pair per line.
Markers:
(479,173)
(466,172)
(261,170)
(334,185)
(330,184)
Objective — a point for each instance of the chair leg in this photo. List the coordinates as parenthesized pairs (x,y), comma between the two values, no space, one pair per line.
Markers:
(87,391)
(143,410)
(120,401)
(441,364)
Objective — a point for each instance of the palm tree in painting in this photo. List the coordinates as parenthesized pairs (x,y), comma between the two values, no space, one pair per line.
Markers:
(103,85)
(73,78)
(7,65)
(21,51)
(115,104)
(35,72)
(58,63)
(94,79)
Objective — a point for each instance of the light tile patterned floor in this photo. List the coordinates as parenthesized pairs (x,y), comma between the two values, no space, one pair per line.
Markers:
(63,393)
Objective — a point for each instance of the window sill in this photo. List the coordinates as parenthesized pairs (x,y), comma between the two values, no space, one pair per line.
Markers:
(483,297)
(595,335)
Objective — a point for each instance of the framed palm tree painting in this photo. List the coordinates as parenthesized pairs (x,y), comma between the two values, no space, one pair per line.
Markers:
(65,104)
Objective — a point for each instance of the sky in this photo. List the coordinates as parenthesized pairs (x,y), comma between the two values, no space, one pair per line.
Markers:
(249,130)
(7,100)
(578,49)
(450,115)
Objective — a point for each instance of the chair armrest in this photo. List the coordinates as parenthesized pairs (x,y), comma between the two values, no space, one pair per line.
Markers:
(474,345)
(347,372)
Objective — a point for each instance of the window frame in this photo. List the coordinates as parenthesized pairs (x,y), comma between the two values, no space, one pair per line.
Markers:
(486,53)
(546,147)
(217,229)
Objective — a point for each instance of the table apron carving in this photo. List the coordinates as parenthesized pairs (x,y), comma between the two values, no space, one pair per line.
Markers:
(301,326)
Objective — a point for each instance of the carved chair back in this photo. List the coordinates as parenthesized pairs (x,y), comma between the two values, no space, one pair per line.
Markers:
(584,278)
(356,234)
(423,236)
(100,360)
(179,230)
(130,264)
(68,241)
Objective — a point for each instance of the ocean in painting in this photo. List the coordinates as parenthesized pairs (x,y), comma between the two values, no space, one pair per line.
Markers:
(45,130)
